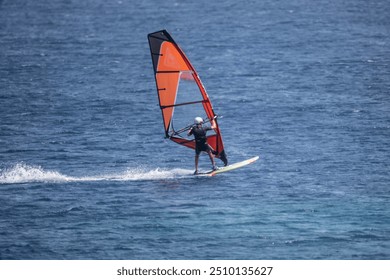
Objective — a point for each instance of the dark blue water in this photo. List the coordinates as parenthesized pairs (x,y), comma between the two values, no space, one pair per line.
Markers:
(85,172)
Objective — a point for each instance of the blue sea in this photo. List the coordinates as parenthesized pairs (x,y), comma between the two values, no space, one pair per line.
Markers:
(85,171)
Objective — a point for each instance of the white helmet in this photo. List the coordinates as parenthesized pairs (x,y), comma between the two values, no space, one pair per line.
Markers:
(198,120)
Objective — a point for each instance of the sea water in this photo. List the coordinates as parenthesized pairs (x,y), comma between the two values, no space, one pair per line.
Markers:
(85,171)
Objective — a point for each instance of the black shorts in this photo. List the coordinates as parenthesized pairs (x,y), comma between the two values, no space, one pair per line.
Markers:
(201,147)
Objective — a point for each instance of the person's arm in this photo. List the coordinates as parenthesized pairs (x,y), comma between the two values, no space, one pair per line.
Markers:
(213,124)
(190,132)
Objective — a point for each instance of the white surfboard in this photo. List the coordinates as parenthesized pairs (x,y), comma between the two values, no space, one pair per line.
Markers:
(230,167)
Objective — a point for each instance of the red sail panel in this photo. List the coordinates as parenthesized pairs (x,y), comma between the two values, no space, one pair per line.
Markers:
(167,77)
(167,84)
(181,94)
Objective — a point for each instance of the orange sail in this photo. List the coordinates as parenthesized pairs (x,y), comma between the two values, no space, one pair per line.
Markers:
(181,94)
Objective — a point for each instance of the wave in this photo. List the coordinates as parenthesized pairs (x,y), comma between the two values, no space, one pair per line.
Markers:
(24,173)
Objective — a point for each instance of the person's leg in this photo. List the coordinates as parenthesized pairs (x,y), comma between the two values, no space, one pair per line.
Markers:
(211,158)
(212,150)
(196,163)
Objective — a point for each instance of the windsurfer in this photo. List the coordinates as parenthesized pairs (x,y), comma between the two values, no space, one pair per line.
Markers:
(199,131)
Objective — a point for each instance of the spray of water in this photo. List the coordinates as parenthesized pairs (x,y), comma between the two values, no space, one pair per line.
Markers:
(23,173)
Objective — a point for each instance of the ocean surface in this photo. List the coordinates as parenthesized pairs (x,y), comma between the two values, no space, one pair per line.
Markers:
(85,171)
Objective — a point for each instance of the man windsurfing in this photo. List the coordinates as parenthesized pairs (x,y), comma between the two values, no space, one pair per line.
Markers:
(199,131)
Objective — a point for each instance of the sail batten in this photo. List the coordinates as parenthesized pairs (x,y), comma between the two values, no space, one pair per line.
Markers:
(182,104)
(181,94)
(167,72)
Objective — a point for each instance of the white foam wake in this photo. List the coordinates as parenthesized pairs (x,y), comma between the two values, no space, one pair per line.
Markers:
(156,174)
(23,173)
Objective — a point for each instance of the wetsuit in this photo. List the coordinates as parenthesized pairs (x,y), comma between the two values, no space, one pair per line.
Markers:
(200,138)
